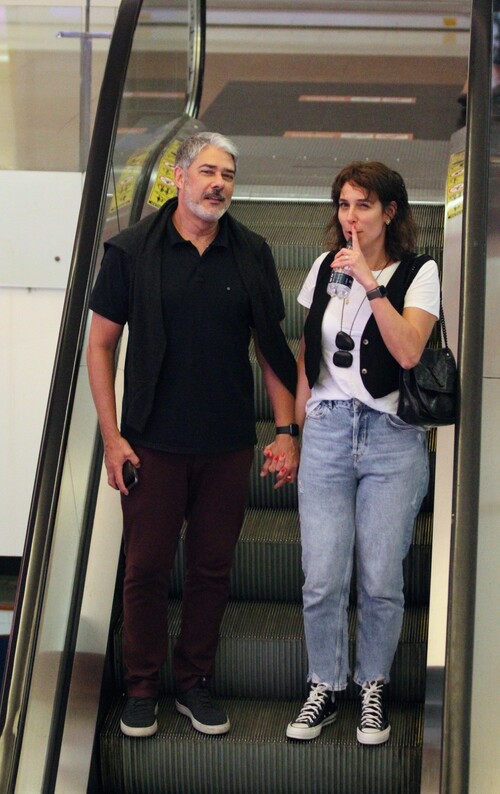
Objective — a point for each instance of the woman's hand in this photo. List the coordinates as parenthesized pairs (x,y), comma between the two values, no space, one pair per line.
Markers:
(353,262)
(282,458)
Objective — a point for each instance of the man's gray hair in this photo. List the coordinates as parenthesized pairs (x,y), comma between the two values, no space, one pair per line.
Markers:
(192,146)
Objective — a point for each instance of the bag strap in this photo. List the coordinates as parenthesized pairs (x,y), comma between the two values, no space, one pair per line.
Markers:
(442,320)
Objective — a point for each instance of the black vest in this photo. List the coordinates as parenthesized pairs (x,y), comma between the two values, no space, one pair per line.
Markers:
(378,368)
(147,339)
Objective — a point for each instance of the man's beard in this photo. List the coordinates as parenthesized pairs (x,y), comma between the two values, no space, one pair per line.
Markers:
(206,214)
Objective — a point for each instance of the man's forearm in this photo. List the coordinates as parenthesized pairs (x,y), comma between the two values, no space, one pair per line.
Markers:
(102,385)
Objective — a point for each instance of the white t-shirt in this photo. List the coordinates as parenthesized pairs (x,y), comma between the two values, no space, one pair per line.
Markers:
(338,383)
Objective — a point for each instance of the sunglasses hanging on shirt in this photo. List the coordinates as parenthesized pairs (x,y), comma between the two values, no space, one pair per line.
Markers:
(344,341)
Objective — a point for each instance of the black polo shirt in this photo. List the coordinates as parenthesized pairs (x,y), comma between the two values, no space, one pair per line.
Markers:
(204,398)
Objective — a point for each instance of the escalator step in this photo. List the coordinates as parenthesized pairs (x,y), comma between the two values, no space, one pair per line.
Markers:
(262,493)
(296,231)
(256,757)
(262,652)
(262,405)
(268,559)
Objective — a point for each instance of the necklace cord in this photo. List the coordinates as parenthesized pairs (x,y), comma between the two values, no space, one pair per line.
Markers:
(360,305)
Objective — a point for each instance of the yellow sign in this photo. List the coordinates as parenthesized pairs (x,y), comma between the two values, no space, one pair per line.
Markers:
(126,184)
(455,185)
(164,188)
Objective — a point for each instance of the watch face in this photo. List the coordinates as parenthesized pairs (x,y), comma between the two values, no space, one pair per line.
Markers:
(377,292)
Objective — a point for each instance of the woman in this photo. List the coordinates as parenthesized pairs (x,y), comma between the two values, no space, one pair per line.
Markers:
(363,471)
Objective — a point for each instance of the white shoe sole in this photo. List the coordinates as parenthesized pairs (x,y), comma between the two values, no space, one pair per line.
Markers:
(138,733)
(296,731)
(372,736)
(210,730)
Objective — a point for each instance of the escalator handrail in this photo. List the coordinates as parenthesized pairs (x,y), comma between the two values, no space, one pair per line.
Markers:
(196,68)
(36,553)
(462,585)
(196,63)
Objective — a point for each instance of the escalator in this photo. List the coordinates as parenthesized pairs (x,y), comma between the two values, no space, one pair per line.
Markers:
(60,721)
(261,666)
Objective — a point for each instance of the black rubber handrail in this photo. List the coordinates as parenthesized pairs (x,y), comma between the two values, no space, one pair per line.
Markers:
(196,69)
(36,554)
(41,523)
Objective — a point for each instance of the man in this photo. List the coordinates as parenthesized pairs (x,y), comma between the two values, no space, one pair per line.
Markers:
(193,285)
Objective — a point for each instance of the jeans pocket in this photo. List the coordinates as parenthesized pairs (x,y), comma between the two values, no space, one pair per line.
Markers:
(394,421)
(319,410)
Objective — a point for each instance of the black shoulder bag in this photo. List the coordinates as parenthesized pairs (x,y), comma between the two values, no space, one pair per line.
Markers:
(428,392)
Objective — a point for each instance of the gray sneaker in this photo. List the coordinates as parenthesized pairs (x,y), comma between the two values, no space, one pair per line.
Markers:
(139,717)
(205,715)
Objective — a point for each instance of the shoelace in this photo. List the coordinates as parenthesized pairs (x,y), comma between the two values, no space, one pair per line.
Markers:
(142,708)
(204,696)
(314,703)
(372,714)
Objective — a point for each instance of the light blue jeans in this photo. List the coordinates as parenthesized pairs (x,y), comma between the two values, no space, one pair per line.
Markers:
(362,477)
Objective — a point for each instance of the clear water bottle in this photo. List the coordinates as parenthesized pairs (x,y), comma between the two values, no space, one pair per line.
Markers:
(340,283)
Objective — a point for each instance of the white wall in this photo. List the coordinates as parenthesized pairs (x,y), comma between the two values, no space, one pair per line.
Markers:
(38,219)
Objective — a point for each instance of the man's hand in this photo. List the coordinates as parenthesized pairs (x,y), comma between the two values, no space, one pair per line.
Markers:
(282,458)
(116,452)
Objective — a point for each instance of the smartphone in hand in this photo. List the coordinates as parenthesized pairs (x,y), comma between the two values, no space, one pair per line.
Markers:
(130,476)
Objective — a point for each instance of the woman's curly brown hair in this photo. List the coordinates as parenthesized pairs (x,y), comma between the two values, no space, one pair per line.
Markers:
(387,185)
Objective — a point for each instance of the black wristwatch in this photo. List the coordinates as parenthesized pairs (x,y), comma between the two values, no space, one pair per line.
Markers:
(291,430)
(377,292)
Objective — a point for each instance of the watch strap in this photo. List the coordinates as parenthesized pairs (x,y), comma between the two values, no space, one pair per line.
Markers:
(292,429)
(377,292)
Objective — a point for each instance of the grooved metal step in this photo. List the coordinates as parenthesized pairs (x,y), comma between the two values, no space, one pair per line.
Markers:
(262,493)
(255,757)
(291,281)
(261,664)
(262,405)
(296,231)
(262,652)
(268,566)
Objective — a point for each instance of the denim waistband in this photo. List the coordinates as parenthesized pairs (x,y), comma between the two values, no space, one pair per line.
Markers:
(353,403)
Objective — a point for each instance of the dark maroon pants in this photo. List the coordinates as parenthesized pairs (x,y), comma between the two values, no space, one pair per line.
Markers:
(211,492)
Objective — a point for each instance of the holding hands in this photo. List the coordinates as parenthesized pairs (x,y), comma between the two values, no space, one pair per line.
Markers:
(281,458)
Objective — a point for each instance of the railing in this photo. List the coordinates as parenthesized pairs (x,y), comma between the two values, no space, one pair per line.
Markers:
(54,559)
(461,611)
(37,561)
